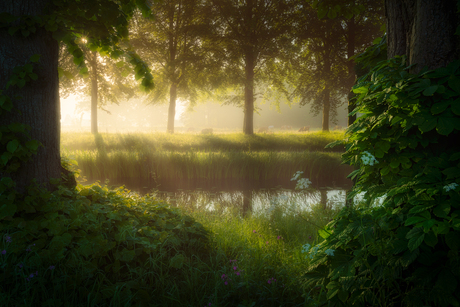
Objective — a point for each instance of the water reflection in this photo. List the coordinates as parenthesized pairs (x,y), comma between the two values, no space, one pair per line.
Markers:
(258,202)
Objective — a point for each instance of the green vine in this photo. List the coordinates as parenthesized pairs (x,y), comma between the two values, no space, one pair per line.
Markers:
(405,251)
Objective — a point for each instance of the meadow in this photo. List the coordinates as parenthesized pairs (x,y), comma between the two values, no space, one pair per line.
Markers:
(95,246)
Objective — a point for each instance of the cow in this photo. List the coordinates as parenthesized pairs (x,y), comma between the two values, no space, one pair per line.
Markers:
(206,131)
(305,129)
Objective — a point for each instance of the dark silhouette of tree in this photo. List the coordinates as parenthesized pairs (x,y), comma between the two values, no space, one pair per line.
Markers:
(29,28)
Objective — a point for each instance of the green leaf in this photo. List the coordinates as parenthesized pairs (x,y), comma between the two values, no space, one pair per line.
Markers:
(453,240)
(415,241)
(440,107)
(413,220)
(360,90)
(35,58)
(7,210)
(445,125)
(428,124)
(429,91)
(431,239)
(323,233)
(441,210)
(456,107)
(12,146)
(33,76)
(454,83)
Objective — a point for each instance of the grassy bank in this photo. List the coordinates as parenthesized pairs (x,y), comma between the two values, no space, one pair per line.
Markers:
(159,141)
(182,157)
(108,248)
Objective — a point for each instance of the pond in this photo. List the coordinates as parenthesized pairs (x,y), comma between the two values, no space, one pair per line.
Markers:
(258,197)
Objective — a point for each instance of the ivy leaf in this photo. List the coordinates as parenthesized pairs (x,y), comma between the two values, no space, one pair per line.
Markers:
(35,58)
(12,146)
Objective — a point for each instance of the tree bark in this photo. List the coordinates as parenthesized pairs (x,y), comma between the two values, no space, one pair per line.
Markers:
(172,107)
(248,122)
(37,103)
(94,93)
(424,31)
(351,66)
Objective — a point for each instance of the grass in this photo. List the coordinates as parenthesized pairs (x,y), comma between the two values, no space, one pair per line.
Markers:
(183,142)
(164,157)
(252,261)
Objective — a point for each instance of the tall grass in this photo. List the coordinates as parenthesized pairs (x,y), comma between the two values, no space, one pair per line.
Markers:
(252,261)
(167,165)
(280,141)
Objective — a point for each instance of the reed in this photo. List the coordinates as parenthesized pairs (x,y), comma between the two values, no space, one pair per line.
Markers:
(279,141)
(191,165)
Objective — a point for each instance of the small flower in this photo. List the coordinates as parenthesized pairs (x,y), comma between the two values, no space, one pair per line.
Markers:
(296,175)
(20,265)
(266,242)
(225,283)
(51,267)
(309,237)
(451,186)
(238,273)
(254,231)
(306,248)
(271,280)
(223,276)
(235,268)
(3,252)
(368,158)
(8,239)
(329,252)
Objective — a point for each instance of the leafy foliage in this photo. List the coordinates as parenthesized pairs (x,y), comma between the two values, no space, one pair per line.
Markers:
(93,229)
(405,251)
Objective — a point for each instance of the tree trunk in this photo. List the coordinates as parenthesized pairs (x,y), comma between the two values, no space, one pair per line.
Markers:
(37,103)
(248,122)
(172,107)
(326,108)
(327,71)
(351,66)
(94,93)
(423,30)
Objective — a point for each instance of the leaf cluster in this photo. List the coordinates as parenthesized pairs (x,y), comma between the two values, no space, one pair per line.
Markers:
(94,229)
(406,251)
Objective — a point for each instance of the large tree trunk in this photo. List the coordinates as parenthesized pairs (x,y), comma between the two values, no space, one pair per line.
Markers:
(423,30)
(248,122)
(94,93)
(172,107)
(37,103)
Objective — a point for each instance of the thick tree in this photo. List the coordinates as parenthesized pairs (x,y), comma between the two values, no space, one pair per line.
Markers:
(251,34)
(424,31)
(29,28)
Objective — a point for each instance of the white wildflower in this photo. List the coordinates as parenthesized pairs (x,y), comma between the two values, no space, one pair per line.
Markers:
(368,158)
(303,183)
(314,251)
(296,175)
(451,186)
(329,252)
(306,248)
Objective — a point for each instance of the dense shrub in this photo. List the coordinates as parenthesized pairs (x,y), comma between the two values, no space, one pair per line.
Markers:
(406,251)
